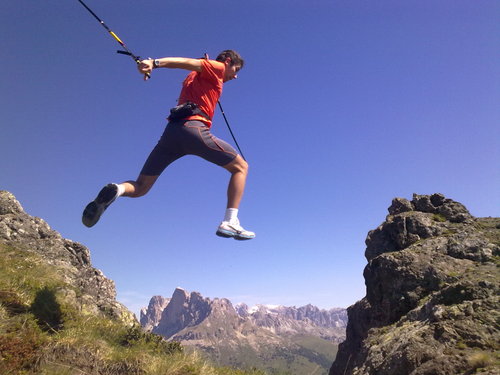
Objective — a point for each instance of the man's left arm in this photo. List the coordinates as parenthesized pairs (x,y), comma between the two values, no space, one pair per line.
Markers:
(146,66)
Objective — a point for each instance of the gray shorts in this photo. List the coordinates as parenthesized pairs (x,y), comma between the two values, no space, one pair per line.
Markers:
(187,138)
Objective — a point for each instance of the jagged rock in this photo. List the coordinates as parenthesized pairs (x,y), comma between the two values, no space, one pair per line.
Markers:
(9,204)
(228,334)
(453,211)
(182,311)
(409,222)
(242,309)
(400,205)
(432,294)
(185,310)
(32,234)
(151,315)
(332,318)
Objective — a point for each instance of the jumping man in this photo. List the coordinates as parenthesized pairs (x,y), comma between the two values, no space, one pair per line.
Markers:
(188,133)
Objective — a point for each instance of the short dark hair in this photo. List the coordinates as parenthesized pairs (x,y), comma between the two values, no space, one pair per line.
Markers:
(235,57)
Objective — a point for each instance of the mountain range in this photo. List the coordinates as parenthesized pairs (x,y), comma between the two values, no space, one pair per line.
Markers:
(275,338)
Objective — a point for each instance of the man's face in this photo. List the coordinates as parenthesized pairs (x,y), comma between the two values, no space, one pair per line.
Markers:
(231,71)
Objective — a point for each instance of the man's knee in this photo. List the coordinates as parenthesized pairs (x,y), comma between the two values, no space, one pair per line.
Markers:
(238,165)
(243,166)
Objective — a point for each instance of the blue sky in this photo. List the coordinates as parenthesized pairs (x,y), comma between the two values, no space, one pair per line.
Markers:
(341,106)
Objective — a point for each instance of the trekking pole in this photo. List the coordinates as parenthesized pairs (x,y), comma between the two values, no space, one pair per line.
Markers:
(127,52)
(227,122)
(230,131)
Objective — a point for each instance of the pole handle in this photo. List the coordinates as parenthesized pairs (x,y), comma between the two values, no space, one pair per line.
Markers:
(147,76)
(137,59)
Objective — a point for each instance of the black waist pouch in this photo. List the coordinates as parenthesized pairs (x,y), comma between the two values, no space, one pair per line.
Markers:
(185,110)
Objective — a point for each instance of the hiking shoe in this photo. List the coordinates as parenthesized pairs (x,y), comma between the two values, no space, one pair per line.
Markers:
(96,208)
(234,230)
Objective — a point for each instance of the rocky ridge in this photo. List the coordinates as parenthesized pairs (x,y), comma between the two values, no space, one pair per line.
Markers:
(231,334)
(309,319)
(33,234)
(432,294)
(335,317)
(170,317)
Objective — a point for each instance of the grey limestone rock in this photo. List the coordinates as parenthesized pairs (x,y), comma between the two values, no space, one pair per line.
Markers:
(432,294)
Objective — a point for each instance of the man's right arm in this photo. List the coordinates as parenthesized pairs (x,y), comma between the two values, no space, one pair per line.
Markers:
(146,66)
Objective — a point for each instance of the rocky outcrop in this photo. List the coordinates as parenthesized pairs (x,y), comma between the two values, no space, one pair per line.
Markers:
(32,234)
(432,294)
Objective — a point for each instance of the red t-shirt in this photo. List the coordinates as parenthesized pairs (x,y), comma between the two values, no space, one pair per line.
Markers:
(204,88)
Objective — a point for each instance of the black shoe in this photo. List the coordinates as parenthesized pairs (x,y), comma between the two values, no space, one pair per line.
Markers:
(96,208)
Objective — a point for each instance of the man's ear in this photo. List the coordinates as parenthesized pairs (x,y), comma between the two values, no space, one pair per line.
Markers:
(228,61)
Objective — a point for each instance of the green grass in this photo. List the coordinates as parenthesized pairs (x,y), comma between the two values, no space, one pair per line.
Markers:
(43,332)
(439,218)
(302,354)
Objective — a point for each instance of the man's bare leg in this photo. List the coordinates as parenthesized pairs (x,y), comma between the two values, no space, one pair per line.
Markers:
(138,188)
(93,211)
(230,226)
(239,171)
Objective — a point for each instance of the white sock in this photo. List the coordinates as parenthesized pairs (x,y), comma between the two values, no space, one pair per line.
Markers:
(231,215)
(121,189)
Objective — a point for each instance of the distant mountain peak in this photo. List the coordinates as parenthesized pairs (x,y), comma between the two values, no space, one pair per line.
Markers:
(217,326)
(151,315)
